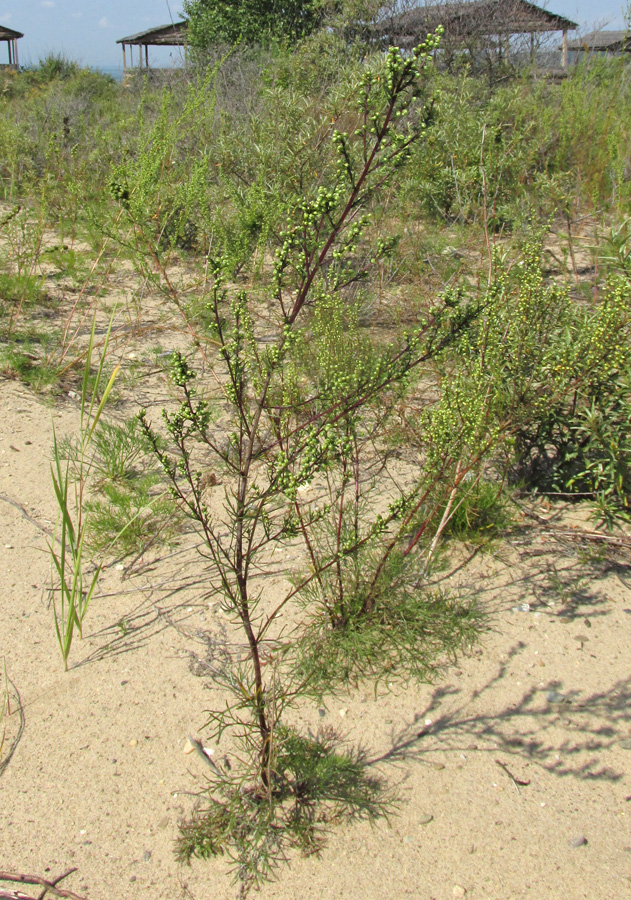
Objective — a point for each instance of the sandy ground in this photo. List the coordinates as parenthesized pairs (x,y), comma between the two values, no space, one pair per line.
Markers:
(512,771)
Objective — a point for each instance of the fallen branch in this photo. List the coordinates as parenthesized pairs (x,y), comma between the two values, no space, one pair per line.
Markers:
(51,886)
(516,781)
(596,536)
(26,515)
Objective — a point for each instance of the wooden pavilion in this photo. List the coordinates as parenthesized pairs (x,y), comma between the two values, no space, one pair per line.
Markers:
(602,42)
(464,20)
(11,37)
(171,35)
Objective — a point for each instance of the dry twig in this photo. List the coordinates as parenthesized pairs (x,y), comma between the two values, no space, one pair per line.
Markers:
(49,886)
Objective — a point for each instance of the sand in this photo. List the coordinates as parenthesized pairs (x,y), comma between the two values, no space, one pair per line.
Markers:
(512,770)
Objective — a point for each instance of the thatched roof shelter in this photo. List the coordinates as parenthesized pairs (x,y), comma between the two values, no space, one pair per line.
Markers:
(602,41)
(171,35)
(11,37)
(466,19)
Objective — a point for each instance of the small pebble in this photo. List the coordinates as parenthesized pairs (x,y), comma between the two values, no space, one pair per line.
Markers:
(343,713)
(555,697)
(407,839)
(133,742)
(188,747)
(132,879)
(626,744)
(425,819)
(147,855)
(322,713)
(578,841)
(459,891)
(8,546)
(438,766)
(164,823)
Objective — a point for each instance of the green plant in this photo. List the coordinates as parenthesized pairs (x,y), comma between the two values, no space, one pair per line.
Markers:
(478,509)
(253,21)
(126,516)
(617,247)
(127,507)
(307,407)
(312,785)
(554,378)
(53,66)
(73,593)
(404,633)
(597,453)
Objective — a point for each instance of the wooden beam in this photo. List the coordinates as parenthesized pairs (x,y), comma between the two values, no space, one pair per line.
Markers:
(564,57)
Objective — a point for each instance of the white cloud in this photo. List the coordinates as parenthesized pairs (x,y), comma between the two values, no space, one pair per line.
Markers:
(47,4)
(5,18)
(103,22)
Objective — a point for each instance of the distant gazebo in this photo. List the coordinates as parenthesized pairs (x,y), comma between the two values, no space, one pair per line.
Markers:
(463,20)
(11,37)
(172,35)
(602,42)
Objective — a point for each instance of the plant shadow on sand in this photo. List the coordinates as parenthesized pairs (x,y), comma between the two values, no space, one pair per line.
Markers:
(163,607)
(562,731)
(558,573)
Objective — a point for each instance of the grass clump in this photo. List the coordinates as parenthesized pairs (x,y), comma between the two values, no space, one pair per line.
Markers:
(127,516)
(72,589)
(128,507)
(480,509)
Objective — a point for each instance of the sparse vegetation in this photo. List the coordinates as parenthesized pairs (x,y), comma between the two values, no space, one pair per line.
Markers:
(395,298)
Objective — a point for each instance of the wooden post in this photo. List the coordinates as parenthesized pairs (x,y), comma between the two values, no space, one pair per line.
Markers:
(16,61)
(147,55)
(124,59)
(564,57)
(532,47)
(9,44)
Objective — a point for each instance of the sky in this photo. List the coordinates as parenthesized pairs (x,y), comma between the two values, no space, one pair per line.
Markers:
(87,30)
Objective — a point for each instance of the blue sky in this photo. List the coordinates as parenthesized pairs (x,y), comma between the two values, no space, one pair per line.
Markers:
(87,30)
